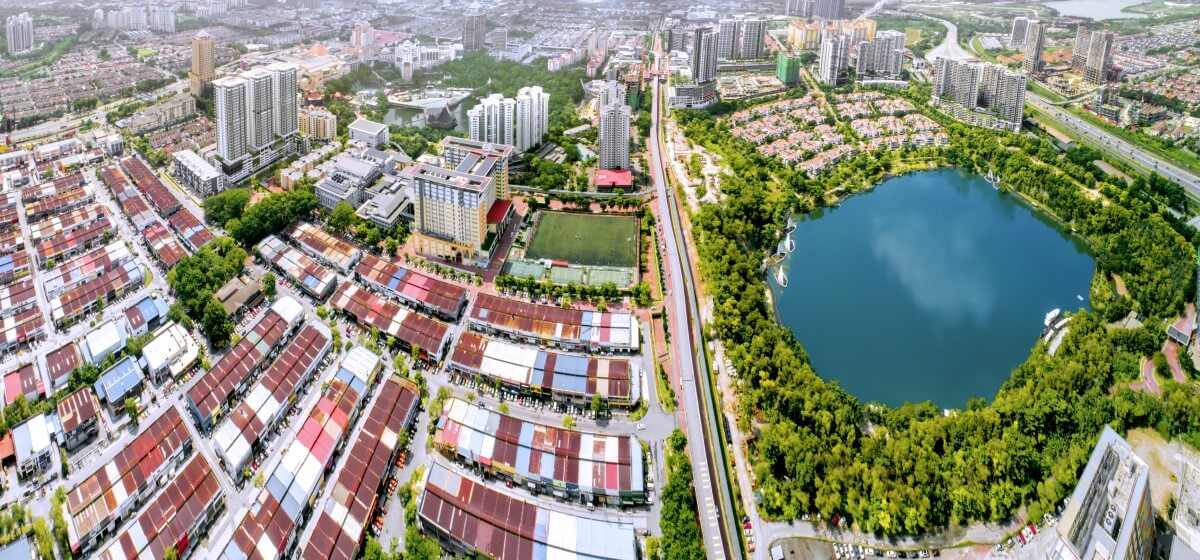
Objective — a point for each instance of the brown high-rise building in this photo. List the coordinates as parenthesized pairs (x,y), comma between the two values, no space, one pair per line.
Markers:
(204,55)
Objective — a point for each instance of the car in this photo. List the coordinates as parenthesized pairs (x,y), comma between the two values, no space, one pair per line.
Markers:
(641,426)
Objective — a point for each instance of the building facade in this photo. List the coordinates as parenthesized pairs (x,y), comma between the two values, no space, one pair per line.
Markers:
(450,213)
(983,94)
(198,175)
(18,31)
(532,118)
(729,38)
(317,123)
(1020,28)
(474,33)
(1035,38)
(614,135)
(492,119)
(1081,47)
(1099,58)
(828,9)
(204,54)
(229,95)
(835,51)
(881,57)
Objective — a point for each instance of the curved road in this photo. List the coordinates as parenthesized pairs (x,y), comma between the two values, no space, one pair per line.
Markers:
(1110,143)
(949,48)
(711,477)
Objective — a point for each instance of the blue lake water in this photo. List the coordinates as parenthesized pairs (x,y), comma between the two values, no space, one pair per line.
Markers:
(1095,9)
(933,286)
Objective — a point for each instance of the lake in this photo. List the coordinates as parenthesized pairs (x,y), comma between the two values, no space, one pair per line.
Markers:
(933,286)
(1095,9)
(404,116)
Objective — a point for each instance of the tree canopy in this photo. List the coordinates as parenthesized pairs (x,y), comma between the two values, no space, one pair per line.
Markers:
(272,214)
(226,205)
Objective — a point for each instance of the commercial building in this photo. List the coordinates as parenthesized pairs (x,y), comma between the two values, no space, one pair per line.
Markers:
(165,248)
(177,519)
(17,297)
(532,117)
(829,9)
(493,120)
(190,230)
(79,415)
(881,57)
(198,175)
(122,381)
(371,133)
(1099,58)
(1020,29)
(834,58)
(103,341)
(60,363)
(88,296)
(115,489)
(411,56)
(471,518)
(411,328)
(562,378)
(577,466)
(349,511)
(425,293)
(479,158)
(18,30)
(242,438)
(162,18)
(271,529)
(147,314)
(474,34)
(312,278)
(170,353)
(1035,38)
(324,247)
(569,329)
(23,382)
(256,112)
(451,209)
(1109,514)
(239,294)
(317,123)
(204,58)
(160,197)
(34,446)
(178,108)
(210,396)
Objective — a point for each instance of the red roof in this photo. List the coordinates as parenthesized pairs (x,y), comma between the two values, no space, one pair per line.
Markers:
(7,449)
(499,211)
(614,178)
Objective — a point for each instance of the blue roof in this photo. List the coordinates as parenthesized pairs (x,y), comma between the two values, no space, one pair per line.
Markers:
(20,549)
(116,382)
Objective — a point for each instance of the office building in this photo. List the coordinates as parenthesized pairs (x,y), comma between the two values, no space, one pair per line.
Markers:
(614,135)
(492,120)
(835,52)
(230,106)
(1099,58)
(204,52)
(881,57)
(704,55)
(1083,45)
(729,38)
(474,33)
(198,175)
(349,181)
(499,40)
(676,39)
(1020,28)
(18,30)
(450,213)
(1109,514)
(829,9)
(532,117)
(411,56)
(1035,38)
(162,19)
(317,123)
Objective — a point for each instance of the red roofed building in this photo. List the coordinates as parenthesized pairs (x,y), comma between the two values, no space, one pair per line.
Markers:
(614,179)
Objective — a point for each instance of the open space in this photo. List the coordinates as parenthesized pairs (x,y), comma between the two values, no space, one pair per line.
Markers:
(585,239)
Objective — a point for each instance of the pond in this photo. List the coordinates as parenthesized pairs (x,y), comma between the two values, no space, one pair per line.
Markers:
(933,286)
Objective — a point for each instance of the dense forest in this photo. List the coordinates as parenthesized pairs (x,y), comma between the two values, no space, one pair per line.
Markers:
(816,448)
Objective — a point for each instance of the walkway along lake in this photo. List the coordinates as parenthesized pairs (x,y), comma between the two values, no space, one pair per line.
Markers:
(933,286)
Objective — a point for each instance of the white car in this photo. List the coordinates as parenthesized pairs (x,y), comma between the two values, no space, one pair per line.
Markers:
(641,426)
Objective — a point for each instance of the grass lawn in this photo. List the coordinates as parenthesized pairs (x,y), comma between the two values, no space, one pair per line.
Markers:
(585,239)
(911,36)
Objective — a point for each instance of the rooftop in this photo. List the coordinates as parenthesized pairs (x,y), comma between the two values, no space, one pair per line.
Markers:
(369,127)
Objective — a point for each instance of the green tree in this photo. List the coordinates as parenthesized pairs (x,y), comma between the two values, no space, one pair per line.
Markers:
(268,284)
(216,324)
(131,410)
(226,205)
(342,218)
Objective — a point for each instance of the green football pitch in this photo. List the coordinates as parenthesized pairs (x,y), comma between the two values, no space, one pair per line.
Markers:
(585,239)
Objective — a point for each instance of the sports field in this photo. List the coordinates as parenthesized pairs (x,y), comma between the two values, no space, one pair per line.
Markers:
(585,239)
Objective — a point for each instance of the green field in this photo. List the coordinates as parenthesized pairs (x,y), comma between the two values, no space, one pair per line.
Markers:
(585,239)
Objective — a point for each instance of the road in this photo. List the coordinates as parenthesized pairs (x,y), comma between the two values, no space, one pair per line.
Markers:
(874,8)
(949,48)
(717,521)
(1114,145)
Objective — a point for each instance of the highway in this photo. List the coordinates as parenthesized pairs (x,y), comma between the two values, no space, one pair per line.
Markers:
(949,48)
(711,478)
(1110,143)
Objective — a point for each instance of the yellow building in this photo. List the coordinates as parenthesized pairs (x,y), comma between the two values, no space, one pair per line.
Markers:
(318,123)
(450,211)
(807,36)
(204,54)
